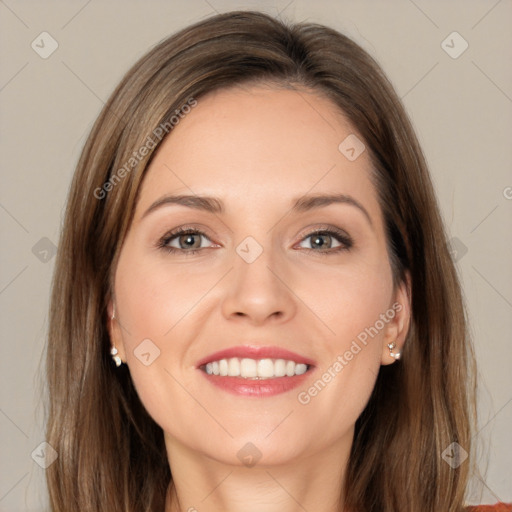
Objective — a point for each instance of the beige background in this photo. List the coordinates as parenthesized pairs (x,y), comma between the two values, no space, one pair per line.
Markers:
(461,108)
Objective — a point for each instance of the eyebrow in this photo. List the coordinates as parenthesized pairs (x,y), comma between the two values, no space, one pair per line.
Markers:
(310,202)
(214,205)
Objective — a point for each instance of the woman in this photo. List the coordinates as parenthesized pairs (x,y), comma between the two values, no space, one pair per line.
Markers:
(256,311)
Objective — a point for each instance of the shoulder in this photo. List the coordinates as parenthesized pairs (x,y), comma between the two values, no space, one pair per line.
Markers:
(498,507)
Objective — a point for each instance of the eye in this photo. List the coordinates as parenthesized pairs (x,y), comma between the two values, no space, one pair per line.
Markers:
(184,240)
(189,241)
(327,241)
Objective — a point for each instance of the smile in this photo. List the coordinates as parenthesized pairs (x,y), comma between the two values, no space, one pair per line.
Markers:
(255,368)
(256,371)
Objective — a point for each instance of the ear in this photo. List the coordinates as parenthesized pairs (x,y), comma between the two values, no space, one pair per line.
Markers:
(114,330)
(398,326)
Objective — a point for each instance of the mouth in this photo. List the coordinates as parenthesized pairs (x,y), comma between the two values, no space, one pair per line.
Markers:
(260,369)
(255,371)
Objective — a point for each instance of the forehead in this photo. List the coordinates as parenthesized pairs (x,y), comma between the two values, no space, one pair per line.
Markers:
(258,143)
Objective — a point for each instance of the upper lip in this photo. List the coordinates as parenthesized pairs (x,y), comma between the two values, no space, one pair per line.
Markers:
(256,352)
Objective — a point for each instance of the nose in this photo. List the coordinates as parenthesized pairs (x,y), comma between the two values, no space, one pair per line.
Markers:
(259,292)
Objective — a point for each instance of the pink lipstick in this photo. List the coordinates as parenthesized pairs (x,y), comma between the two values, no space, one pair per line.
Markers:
(255,370)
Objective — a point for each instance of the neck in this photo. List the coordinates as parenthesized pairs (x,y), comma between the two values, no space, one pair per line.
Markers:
(202,484)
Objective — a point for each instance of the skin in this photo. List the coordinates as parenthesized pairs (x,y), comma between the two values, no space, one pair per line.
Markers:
(257,150)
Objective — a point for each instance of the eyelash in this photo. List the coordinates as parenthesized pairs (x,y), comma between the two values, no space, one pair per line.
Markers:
(339,235)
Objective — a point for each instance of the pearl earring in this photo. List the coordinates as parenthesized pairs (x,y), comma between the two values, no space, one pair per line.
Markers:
(113,350)
(391,347)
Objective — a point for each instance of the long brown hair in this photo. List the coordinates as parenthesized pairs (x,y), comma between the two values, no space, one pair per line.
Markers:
(111,454)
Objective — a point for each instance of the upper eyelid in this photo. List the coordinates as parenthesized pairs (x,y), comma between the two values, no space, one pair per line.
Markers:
(321,228)
(204,231)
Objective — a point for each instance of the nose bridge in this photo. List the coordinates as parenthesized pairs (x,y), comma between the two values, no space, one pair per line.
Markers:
(256,290)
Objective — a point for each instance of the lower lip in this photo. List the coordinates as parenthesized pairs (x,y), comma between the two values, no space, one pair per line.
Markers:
(257,387)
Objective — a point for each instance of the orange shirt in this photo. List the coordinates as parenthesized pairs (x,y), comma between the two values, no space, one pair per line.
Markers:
(499,507)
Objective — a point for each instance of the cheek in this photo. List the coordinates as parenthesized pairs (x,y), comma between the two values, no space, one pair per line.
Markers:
(158,306)
(154,297)
(348,300)
(352,304)
(154,303)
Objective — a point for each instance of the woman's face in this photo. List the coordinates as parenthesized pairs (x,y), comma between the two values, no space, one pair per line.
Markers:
(284,250)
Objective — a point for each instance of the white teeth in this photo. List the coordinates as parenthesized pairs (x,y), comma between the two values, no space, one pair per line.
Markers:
(300,369)
(255,368)
(234,367)
(265,368)
(223,367)
(248,368)
(280,368)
